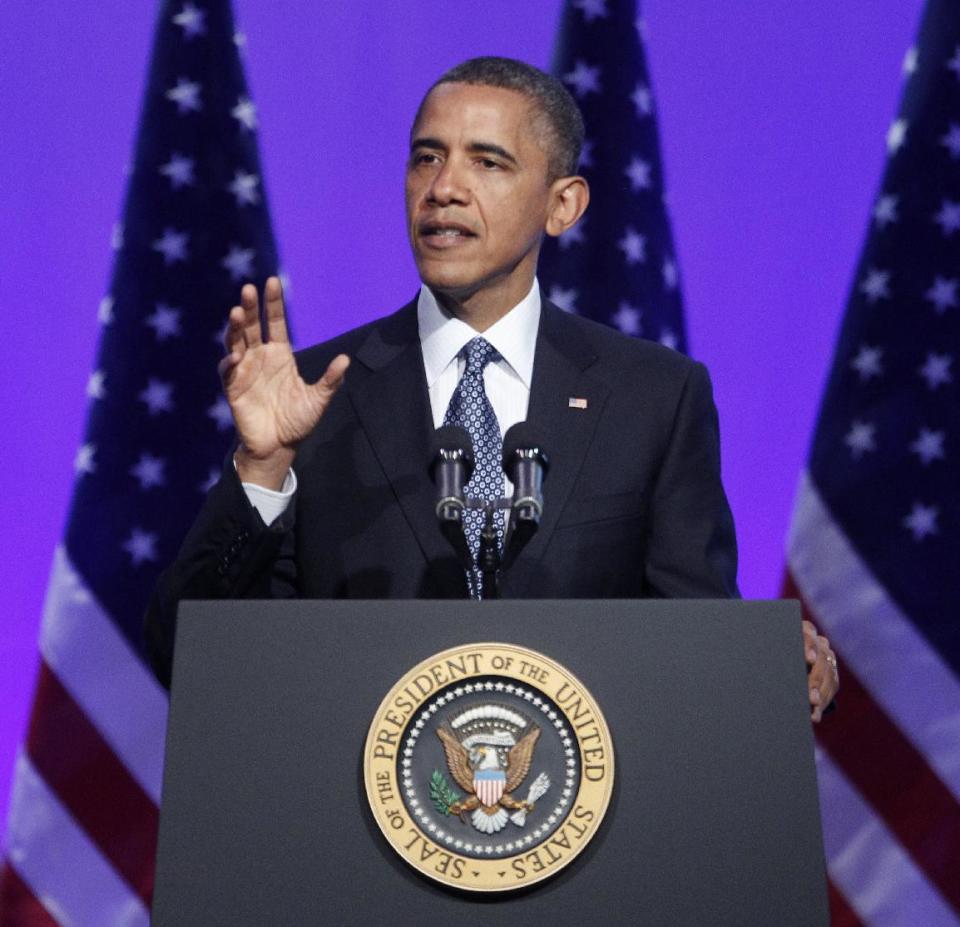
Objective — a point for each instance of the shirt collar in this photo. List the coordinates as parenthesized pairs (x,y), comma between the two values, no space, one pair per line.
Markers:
(443,336)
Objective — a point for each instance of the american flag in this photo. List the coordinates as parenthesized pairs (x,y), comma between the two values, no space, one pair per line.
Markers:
(874,546)
(618,264)
(83,818)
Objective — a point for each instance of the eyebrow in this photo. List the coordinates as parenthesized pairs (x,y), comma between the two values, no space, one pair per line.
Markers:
(473,148)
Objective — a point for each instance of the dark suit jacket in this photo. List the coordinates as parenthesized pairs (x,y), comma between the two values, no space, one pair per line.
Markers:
(633,504)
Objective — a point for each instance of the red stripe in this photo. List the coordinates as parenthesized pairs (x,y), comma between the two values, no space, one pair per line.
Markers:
(841,914)
(88,779)
(893,776)
(18,906)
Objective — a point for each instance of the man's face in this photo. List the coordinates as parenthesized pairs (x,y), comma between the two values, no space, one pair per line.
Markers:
(477,194)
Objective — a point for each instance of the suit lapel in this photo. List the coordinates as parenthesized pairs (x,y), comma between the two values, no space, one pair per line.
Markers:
(561,373)
(388,390)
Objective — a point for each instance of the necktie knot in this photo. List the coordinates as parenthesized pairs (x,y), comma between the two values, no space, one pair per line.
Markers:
(479,352)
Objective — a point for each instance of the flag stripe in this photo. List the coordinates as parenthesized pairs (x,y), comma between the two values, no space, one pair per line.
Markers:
(104,676)
(890,774)
(841,914)
(57,860)
(117,815)
(879,642)
(867,863)
(17,903)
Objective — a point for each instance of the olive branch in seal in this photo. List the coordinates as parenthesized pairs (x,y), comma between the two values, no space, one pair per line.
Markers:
(442,793)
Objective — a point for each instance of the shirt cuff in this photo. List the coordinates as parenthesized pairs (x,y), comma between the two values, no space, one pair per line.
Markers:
(271,503)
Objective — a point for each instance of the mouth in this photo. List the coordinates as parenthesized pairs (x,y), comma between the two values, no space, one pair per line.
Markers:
(441,234)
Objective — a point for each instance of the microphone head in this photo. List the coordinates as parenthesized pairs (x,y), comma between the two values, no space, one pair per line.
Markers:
(452,442)
(526,439)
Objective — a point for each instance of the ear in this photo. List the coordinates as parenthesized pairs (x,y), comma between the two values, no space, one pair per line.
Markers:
(569,197)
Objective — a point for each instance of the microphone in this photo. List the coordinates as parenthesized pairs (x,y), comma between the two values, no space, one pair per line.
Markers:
(526,464)
(451,466)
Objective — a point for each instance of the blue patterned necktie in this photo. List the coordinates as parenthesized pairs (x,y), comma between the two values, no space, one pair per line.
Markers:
(470,408)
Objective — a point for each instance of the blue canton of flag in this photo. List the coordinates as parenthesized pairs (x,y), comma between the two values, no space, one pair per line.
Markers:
(874,548)
(195,227)
(617,265)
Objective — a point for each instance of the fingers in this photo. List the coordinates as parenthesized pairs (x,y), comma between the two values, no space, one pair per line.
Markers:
(273,309)
(823,680)
(233,343)
(250,302)
(330,382)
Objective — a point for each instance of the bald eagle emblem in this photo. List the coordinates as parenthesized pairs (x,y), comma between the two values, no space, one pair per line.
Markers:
(489,751)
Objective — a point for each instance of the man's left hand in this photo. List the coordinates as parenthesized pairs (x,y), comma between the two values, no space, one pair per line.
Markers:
(822,679)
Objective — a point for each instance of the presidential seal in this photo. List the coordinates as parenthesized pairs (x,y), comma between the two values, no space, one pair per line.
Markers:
(488,767)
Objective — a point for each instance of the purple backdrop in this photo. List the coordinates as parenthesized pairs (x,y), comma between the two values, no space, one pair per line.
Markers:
(772,118)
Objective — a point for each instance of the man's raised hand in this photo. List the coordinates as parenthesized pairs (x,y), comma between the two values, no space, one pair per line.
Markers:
(274,409)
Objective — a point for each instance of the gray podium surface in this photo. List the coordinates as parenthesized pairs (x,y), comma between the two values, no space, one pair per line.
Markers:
(714,818)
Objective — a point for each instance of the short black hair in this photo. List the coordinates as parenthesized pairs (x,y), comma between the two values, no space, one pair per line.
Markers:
(555,107)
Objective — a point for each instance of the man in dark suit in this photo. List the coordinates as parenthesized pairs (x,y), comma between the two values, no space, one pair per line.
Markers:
(329,494)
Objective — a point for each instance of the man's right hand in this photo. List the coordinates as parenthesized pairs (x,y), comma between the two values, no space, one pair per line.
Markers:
(273,408)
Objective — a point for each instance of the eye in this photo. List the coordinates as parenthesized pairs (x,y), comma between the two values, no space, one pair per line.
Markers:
(423,157)
(488,164)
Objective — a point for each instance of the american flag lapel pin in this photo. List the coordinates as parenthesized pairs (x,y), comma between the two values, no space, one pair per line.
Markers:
(576,402)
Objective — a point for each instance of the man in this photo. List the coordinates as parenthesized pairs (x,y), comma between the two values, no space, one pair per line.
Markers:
(328,494)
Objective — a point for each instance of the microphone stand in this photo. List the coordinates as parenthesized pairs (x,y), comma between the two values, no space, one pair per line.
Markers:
(488,556)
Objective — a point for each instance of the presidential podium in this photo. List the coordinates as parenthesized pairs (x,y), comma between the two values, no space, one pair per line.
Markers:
(713,817)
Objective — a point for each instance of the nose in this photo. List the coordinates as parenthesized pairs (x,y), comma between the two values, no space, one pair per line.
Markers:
(448,185)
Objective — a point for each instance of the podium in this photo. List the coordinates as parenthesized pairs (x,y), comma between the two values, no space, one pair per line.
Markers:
(713,820)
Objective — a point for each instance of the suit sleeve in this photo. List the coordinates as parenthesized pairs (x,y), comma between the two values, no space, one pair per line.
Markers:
(692,548)
(229,553)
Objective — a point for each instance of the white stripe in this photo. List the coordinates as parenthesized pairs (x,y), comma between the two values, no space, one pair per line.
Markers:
(103,675)
(868,865)
(902,671)
(65,871)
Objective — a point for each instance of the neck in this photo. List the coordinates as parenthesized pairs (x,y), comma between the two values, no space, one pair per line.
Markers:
(485,307)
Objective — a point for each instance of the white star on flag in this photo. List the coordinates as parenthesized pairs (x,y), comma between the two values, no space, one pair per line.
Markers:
(244,188)
(668,339)
(936,370)
(586,154)
(190,19)
(239,261)
(240,40)
(948,218)
(116,236)
(638,171)
(83,462)
(943,294)
(158,396)
(951,141)
(221,414)
(885,211)
(105,310)
(212,477)
(876,285)
(896,135)
(565,299)
(179,171)
(186,94)
(572,236)
(867,362)
(910,60)
(627,318)
(149,471)
(860,438)
(172,245)
(584,79)
(245,113)
(95,388)
(928,445)
(141,545)
(922,521)
(634,246)
(642,100)
(954,63)
(669,274)
(592,9)
(165,321)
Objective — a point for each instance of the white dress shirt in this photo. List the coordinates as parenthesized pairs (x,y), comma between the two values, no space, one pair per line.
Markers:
(442,338)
